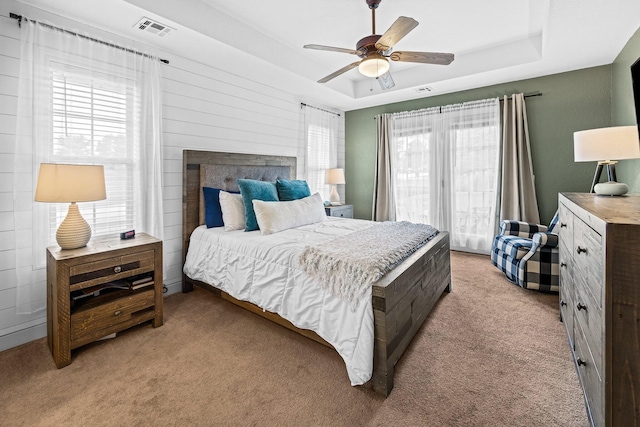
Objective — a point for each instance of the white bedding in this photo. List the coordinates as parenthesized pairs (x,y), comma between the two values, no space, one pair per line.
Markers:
(264,270)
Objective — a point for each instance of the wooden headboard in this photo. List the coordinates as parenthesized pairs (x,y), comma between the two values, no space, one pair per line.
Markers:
(222,170)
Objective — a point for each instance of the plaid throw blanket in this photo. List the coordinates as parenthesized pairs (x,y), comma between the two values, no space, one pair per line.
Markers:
(348,265)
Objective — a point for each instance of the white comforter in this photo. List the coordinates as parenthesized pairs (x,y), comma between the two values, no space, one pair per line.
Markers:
(264,270)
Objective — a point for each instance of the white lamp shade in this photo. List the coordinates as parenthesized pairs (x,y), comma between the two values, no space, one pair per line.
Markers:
(374,66)
(334,176)
(613,143)
(61,183)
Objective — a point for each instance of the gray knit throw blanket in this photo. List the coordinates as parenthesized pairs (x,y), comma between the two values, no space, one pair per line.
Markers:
(350,264)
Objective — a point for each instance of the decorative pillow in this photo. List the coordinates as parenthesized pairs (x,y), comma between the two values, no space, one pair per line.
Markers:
(273,217)
(232,211)
(255,190)
(292,190)
(212,210)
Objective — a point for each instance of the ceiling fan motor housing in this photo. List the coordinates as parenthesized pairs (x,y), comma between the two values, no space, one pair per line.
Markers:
(367,45)
(373,4)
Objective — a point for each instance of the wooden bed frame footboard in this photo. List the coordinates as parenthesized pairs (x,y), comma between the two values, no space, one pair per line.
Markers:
(401,300)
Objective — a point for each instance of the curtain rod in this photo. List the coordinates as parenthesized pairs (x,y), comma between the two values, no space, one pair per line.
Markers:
(526,95)
(302,104)
(19,19)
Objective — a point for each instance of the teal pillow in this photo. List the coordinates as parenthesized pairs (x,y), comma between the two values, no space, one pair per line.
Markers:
(255,190)
(292,190)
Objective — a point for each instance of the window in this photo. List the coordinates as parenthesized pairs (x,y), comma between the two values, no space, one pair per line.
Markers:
(83,101)
(91,125)
(444,167)
(321,129)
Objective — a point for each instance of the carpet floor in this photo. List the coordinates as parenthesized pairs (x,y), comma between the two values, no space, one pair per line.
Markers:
(489,354)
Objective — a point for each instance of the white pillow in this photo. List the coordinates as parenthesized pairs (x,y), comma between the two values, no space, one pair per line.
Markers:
(232,208)
(278,216)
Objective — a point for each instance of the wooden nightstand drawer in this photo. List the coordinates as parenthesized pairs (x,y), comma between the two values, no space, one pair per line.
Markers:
(97,316)
(97,272)
(342,211)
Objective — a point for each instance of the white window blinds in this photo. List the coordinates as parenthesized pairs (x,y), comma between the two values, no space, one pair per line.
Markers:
(91,125)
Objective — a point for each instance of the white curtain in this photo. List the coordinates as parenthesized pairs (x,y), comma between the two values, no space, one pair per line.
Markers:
(444,170)
(83,102)
(321,137)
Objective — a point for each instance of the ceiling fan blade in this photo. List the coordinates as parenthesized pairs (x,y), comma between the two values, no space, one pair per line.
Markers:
(386,81)
(340,71)
(396,32)
(423,57)
(332,49)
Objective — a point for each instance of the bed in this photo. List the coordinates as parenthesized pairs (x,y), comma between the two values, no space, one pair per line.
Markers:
(400,301)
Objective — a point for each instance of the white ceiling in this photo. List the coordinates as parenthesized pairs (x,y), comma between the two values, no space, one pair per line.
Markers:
(494,41)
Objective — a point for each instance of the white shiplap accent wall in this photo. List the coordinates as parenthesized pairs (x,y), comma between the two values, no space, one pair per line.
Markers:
(205,107)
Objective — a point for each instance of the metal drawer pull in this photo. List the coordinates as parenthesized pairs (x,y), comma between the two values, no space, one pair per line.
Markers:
(563,264)
(563,225)
(581,362)
(117,313)
(562,303)
(117,269)
(581,306)
(579,250)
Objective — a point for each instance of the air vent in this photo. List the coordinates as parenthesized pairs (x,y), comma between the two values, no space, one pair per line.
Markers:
(424,89)
(154,27)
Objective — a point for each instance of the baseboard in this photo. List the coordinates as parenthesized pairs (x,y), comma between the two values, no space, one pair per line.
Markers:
(173,288)
(23,336)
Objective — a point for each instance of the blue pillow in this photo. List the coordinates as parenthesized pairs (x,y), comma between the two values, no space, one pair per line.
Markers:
(212,209)
(255,190)
(292,190)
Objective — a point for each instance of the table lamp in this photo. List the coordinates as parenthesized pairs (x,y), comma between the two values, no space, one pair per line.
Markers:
(334,177)
(607,146)
(62,183)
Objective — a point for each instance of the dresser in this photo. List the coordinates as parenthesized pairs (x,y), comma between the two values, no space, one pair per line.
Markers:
(600,301)
(100,289)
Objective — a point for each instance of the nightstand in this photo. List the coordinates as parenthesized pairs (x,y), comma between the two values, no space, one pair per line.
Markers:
(106,287)
(343,211)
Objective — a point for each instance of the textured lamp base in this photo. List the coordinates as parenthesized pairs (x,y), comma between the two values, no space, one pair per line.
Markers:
(74,232)
(611,188)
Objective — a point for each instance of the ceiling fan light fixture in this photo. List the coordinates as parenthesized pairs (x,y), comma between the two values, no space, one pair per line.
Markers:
(374,66)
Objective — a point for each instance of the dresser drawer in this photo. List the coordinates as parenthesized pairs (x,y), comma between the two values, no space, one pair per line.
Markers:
(564,229)
(588,259)
(96,316)
(107,270)
(589,316)
(566,292)
(589,378)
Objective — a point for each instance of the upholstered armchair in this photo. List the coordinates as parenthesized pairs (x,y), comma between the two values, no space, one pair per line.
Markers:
(528,254)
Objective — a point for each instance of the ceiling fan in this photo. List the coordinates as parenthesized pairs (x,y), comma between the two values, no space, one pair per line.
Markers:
(375,51)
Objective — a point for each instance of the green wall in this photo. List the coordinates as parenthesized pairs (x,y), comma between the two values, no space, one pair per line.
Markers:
(571,101)
(622,108)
